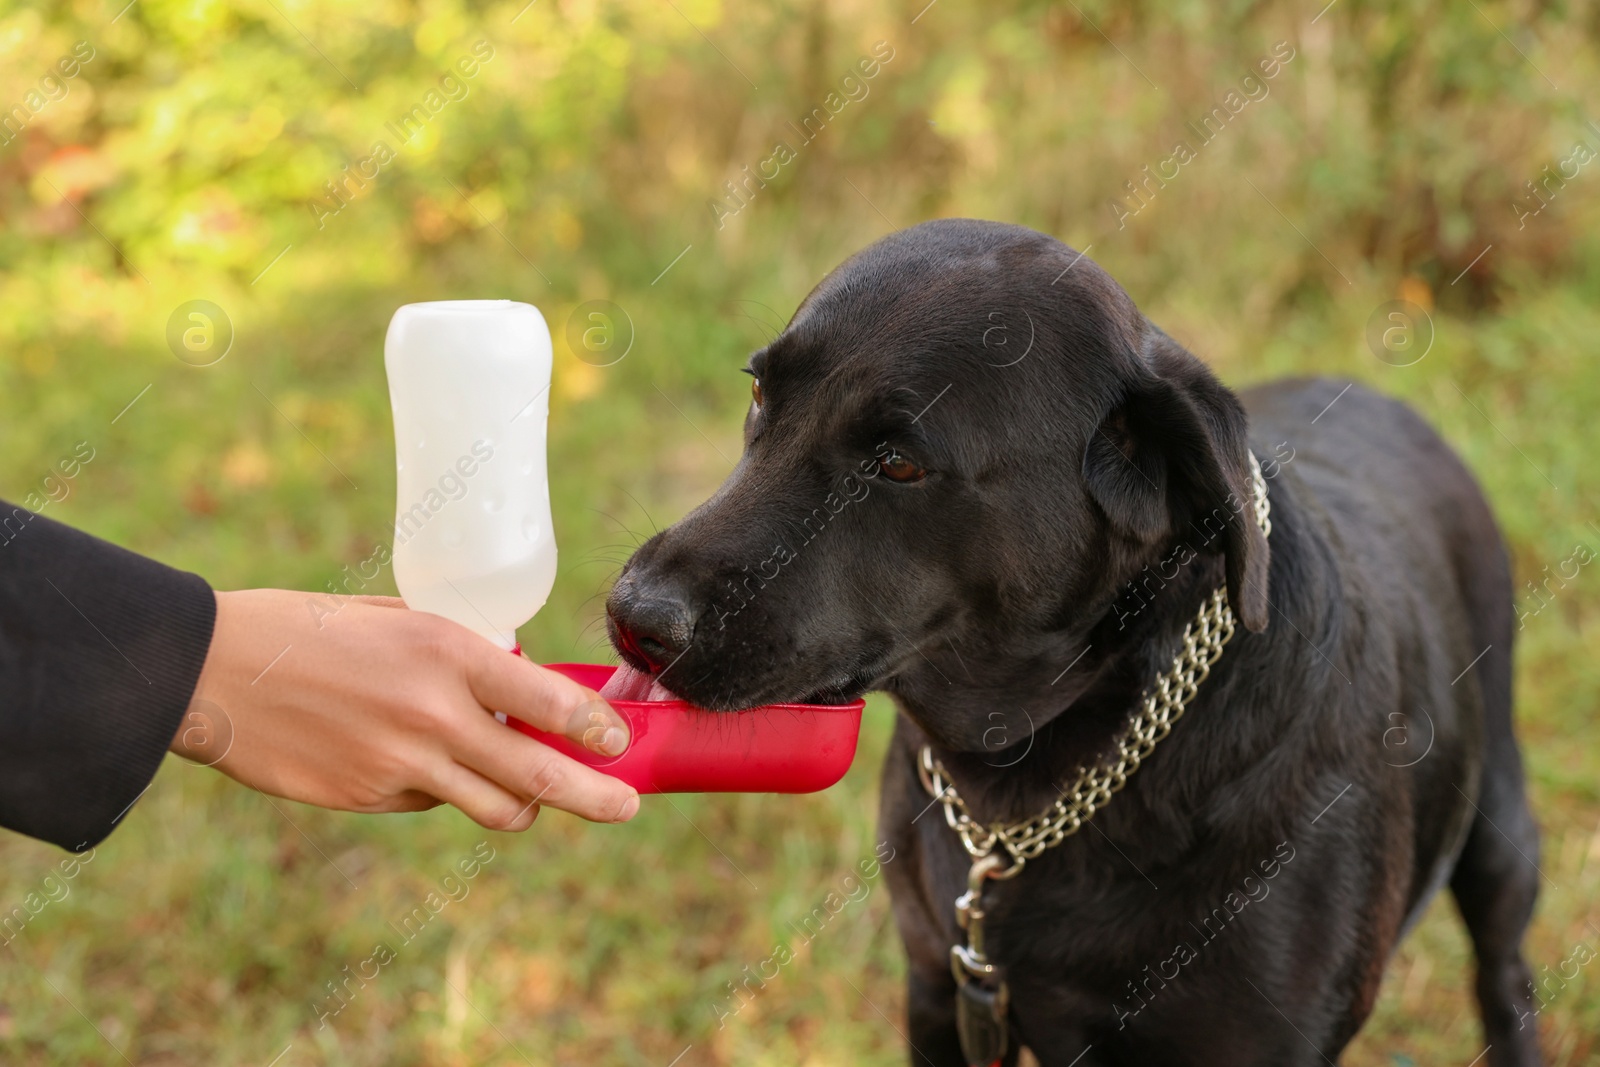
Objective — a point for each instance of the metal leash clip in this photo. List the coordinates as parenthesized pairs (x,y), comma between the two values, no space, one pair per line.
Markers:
(982,997)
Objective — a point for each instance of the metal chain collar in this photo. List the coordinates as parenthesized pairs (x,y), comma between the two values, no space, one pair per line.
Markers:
(1092,787)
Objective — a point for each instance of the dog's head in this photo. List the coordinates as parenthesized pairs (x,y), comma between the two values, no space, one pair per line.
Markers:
(960,450)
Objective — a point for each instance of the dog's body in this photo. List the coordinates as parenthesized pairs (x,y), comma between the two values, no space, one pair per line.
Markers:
(1331,751)
(1042,525)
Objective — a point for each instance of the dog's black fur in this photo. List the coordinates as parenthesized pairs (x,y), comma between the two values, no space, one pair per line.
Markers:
(1351,752)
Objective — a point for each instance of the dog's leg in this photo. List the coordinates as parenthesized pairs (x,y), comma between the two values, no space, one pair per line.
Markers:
(1497,879)
(1495,887)
(931,1012)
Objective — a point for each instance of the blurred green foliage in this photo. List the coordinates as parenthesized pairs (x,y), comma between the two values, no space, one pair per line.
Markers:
(191,158)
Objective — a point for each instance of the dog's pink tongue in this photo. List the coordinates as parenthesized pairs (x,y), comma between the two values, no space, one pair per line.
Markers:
(630,684)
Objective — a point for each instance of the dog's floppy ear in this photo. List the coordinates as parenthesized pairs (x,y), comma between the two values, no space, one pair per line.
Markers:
(1170,460)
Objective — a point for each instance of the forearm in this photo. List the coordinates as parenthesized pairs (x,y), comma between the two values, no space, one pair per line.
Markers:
(100,649)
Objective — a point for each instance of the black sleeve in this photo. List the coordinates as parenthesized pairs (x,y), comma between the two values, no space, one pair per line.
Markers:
(100,650)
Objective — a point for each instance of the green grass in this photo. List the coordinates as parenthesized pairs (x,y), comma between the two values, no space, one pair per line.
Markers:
(1384,160)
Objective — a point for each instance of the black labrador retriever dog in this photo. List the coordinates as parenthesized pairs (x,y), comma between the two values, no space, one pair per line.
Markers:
(977,478)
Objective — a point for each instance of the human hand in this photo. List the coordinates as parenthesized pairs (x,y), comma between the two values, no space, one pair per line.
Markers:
(377,708)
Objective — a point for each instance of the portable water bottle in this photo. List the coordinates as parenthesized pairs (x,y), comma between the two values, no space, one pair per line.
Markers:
(469,381)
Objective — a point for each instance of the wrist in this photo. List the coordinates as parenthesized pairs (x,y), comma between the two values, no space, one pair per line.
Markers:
(202,724)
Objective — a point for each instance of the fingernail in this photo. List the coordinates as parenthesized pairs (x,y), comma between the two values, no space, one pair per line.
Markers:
(615,742)
(630,808)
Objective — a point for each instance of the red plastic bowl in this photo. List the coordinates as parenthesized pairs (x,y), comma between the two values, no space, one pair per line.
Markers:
(679,748)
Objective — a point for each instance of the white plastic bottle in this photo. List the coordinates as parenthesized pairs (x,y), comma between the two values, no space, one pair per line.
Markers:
(469,381)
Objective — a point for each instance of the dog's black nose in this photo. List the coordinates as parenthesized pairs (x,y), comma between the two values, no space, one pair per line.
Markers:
(656,627)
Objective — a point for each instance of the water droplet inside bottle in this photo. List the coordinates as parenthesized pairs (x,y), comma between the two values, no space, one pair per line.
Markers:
(530,528)
(527,466)
(493,504)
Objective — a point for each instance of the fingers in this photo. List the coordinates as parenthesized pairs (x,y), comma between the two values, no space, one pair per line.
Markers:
(484,802)
(547,700)
(557,705)
(521,765)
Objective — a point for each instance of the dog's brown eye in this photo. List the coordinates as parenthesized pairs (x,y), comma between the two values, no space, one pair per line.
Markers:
(755,391)
(898,468)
